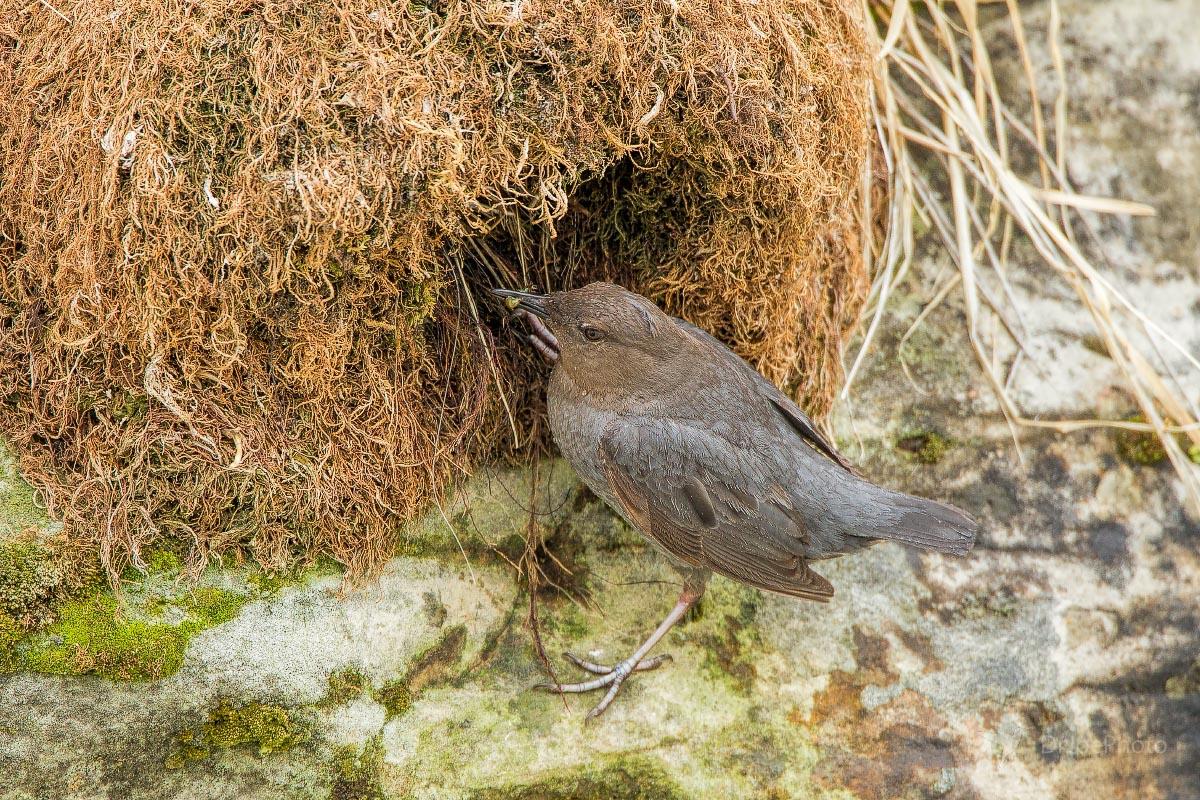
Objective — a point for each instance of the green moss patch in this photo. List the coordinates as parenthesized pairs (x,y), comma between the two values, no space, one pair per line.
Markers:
(730,640)
(68,625)
(268,582)
(1141,448)
(1145,449)
(928,447)
(10,633)
(570,622)
(93,636)
(345,685)
(265,728)
(621,778)
(33,577)
(164,562)
(261,727)
(28,575)
(356,773)
(1179,686)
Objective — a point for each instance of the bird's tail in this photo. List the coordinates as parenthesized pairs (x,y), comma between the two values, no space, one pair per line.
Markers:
(927,524)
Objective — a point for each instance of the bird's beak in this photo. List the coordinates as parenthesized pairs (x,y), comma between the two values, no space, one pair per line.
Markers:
(528,301)
(534,306)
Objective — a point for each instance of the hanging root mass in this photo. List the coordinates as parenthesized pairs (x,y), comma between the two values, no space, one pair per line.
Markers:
(242,244)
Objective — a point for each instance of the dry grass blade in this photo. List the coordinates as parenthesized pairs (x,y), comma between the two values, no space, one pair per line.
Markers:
(938,104)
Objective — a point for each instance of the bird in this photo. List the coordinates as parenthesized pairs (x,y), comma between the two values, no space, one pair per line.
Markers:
(715,466)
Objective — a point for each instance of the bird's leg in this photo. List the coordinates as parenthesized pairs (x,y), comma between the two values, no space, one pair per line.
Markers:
(615,676)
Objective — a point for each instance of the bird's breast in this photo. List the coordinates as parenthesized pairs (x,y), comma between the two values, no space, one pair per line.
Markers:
(578,425)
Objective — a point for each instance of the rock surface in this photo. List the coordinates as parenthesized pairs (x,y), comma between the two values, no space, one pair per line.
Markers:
(1060,660)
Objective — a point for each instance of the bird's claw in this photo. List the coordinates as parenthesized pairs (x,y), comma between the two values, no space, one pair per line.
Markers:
(612,677)
(644,665)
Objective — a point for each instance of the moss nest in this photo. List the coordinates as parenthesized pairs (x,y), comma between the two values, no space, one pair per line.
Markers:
(243,245)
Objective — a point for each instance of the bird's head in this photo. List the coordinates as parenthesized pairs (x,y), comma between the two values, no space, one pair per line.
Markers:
(608,339)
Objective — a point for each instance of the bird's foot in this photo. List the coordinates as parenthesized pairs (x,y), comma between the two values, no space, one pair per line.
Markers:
(612,677)
(644,665)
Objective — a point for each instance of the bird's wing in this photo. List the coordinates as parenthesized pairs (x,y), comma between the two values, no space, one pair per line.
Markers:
(709,504)
(804,426)
(779,401)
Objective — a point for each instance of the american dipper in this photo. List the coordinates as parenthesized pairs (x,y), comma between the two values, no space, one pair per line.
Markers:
(706,458)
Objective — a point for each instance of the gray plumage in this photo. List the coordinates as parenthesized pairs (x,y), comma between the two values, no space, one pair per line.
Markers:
(720,470)
(708,459)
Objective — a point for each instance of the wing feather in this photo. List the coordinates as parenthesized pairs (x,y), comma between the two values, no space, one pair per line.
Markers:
(666,474)
(781,403)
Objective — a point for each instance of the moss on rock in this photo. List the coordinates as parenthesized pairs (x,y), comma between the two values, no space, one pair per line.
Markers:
(27,575)
(266,728)
(428,668)
(928,447)
(729,638)
(33,577)
(356,772)
(164,562)
(1179,686)
(33,558)
(93,636)
(19,510)
(10,633)
(269,581)
(1140,448)
(262,727)
(345,685)
(634,777)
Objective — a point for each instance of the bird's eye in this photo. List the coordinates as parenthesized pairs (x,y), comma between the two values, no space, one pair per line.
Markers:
(591,334)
